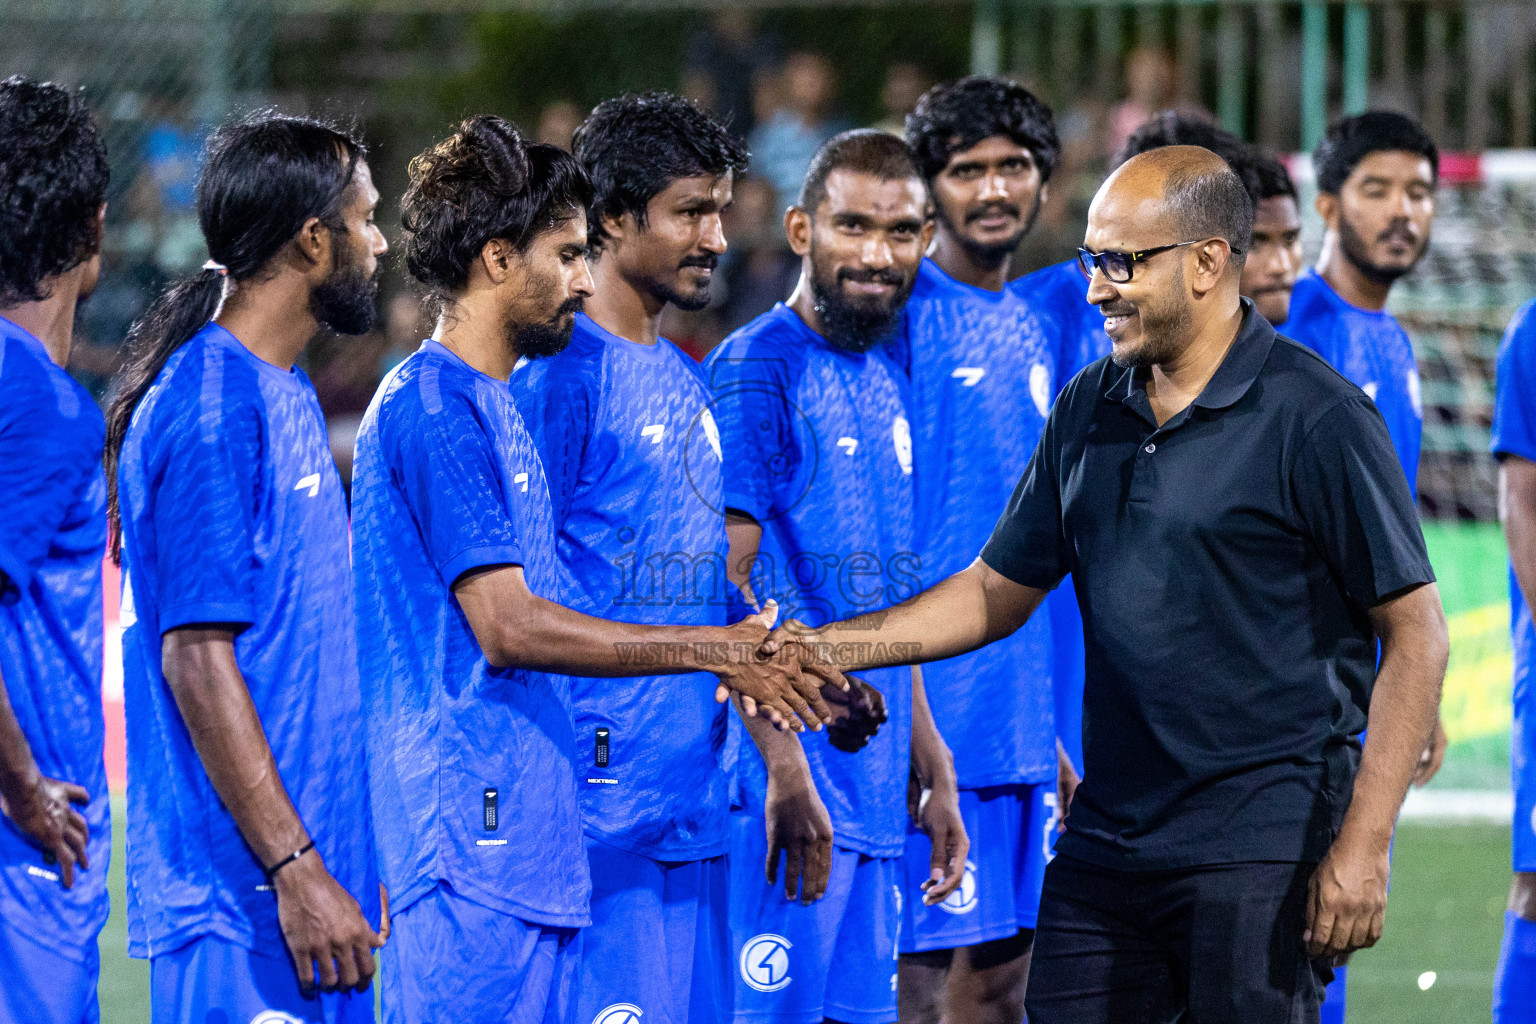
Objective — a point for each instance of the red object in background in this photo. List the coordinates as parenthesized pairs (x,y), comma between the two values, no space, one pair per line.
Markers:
(112,680)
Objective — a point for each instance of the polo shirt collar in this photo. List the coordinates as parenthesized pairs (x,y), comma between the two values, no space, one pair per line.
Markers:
(1236,374)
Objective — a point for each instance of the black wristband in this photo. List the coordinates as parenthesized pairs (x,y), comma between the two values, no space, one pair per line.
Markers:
(272,871)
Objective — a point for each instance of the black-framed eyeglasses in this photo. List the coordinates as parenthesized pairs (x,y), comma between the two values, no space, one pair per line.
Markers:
(1118,266)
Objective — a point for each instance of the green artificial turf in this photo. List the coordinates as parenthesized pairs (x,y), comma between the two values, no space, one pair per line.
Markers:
(1446,915)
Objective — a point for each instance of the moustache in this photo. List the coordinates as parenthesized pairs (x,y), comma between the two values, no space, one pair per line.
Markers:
(988,209)
(895,278)
(1398,230)
(705,261)
(1109,309)
(570,307)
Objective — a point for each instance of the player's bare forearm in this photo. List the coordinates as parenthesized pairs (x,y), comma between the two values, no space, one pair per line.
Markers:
(974,607)
(1405,704)
(18,769)
(211,693)
(938,800)
(931,756)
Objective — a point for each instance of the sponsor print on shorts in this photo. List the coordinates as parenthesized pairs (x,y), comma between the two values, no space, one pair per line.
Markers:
(765,962)
(963,899)
(618,1013)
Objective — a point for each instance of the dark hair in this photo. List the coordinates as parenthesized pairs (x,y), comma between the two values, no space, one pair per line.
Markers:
(1208,203)
(262,178)
(480,183)
(864,151)
(1353,139)
(53,180)
(1273,179)
(1172,128)
(956,116)
(633,147)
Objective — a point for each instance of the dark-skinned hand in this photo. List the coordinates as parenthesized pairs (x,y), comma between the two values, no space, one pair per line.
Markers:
(858,714)
(327,936)
(45,812)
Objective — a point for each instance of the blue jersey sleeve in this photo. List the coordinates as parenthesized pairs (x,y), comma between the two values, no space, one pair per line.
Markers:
(39,481)
(1514,406)
(755,416)
(205,512)
(449,477)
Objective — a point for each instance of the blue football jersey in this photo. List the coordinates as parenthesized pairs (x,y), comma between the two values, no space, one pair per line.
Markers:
(1369,348)
(233,513)
(52,536)
(983,372)
(1058,296)
(1514,433)
(471,765)
(632,456)
(818,449)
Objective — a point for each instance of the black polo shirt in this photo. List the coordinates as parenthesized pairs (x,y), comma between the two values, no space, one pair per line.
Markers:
(1224,563)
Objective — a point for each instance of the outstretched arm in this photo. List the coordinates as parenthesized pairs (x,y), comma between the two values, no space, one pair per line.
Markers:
(975,607)
(1348,894)
(515,627)
(321,922)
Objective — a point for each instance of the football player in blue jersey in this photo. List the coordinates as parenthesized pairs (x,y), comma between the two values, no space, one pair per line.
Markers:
(470,735)
(818,458)
(251,872)
(631,455)
(55,819)
(983,369)
(1514,445)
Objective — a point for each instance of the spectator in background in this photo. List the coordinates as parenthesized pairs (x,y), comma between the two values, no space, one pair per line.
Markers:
(758,269)
(557,123)
(905,83)
(1151,80)
(800,98)
(722,63)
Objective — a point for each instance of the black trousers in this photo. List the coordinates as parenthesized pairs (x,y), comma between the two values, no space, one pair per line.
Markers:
(1209,945)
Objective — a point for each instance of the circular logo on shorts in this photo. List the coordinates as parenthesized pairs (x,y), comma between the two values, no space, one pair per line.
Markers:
(618,1013)
(276,1017)
(963,899)
(765,962)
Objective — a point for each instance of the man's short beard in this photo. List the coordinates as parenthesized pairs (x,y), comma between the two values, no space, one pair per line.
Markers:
(990,257)
(1162,332)
(855,326)
(348,300)
(688,302)
(1358,254)
(545,338)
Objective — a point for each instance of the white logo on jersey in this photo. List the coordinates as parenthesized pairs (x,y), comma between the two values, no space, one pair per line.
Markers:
(618,1013)
(37,872)
(711,433)
(312,482)
(848,444)
(963,899)
(901,437)
(969,375)
(1040,387)
(765,962)
(126,616)
(275,1017)
(1370,388)
(1415,395)
(521,478)
(654,432)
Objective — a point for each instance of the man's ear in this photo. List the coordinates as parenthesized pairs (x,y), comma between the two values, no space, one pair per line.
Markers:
(1045,194)
(797,229)
(1327,206)
(1211,261)
(496,259)
(617,227)
(313,243)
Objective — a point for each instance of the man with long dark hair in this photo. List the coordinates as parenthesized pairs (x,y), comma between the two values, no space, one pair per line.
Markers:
(55,820)
(251,876)
(983,368)
(470,733)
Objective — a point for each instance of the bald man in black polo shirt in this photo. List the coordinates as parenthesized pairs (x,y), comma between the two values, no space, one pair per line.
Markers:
(1240,538)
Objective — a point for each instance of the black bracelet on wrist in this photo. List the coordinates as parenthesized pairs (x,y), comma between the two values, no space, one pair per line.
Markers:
(272,871)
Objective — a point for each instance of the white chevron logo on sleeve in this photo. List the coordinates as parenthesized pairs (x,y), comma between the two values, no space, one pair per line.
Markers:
(848,444)
(521,478)
(312,482)
(654,432)
(969,375)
